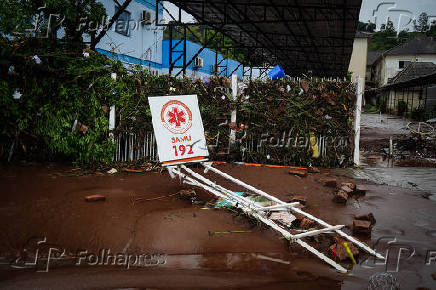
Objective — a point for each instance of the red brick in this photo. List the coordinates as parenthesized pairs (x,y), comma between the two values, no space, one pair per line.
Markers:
(95,197)
(362,227)
(329,182)
(306,223)
(347,189)
(434,275)
(300,173)
(340,197)
(313,170)
(339,250)
(299,198)
(352,186)
(366,217)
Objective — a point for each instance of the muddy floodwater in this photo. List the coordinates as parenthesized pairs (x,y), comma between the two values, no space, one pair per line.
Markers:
(191,243)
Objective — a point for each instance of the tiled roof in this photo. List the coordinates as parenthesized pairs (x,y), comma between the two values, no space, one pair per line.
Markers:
(417,45)
(372,57)
(414,70)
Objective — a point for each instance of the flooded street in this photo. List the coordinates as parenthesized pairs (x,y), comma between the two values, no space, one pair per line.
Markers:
(43,201)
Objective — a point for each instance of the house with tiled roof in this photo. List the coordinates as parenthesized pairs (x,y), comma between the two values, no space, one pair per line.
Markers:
(393,61)
(415,86)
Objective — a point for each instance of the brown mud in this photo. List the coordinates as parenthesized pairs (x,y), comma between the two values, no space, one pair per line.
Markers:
(40,201)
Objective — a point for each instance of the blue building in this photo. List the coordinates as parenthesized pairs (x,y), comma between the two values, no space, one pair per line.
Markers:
(203,65)
(134,39)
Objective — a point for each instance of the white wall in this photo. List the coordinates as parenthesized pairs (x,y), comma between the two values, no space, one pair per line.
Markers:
(388,67)
(358,59)
(143,42)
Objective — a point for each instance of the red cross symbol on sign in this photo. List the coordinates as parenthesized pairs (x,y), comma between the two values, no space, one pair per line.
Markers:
(176,117)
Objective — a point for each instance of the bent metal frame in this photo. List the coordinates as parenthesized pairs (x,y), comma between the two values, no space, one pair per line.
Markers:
(261,213)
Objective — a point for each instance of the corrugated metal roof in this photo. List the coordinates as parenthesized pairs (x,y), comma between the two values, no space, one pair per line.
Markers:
(300,35)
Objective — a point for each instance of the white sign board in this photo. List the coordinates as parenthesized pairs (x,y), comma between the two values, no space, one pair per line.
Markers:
(178,129)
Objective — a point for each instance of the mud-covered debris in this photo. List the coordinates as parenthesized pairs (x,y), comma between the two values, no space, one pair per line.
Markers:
(284,217)
(366,217)
(346,189)
(296,214)
(298,172)
(299,198)
(329,182)
(350,185)
(338,250)
(313,170)
(434,275)
(362,227)
(340,197)
(361,189)
(426,195)
(95,197)
(186,193)
(306,223)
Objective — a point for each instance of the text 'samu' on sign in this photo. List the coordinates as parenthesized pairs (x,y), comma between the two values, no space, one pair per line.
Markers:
(178,129)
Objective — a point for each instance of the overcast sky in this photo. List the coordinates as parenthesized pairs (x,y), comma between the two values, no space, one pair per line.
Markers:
(401,12)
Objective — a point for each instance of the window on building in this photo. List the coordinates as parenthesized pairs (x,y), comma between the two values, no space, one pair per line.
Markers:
(122,24)
(403,63)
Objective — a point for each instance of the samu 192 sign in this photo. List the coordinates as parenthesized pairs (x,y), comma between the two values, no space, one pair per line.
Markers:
(178,129)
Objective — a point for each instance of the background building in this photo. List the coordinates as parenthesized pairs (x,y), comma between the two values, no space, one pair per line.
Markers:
(393,61)
(207,63)
(134,38)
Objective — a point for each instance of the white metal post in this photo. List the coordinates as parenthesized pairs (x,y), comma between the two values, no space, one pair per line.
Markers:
(357,113)
(233,116)
(111,120)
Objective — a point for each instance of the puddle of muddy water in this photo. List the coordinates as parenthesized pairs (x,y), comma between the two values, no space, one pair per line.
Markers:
(414,178)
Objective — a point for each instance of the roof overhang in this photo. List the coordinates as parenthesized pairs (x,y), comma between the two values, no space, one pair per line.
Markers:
(300,35)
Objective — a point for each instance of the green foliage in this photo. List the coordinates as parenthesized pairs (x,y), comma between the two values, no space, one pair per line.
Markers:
(422,24)
(382,105)
(64,88)
(402,107)
(44,18)
(67,87)
(368,108)
(366,27)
